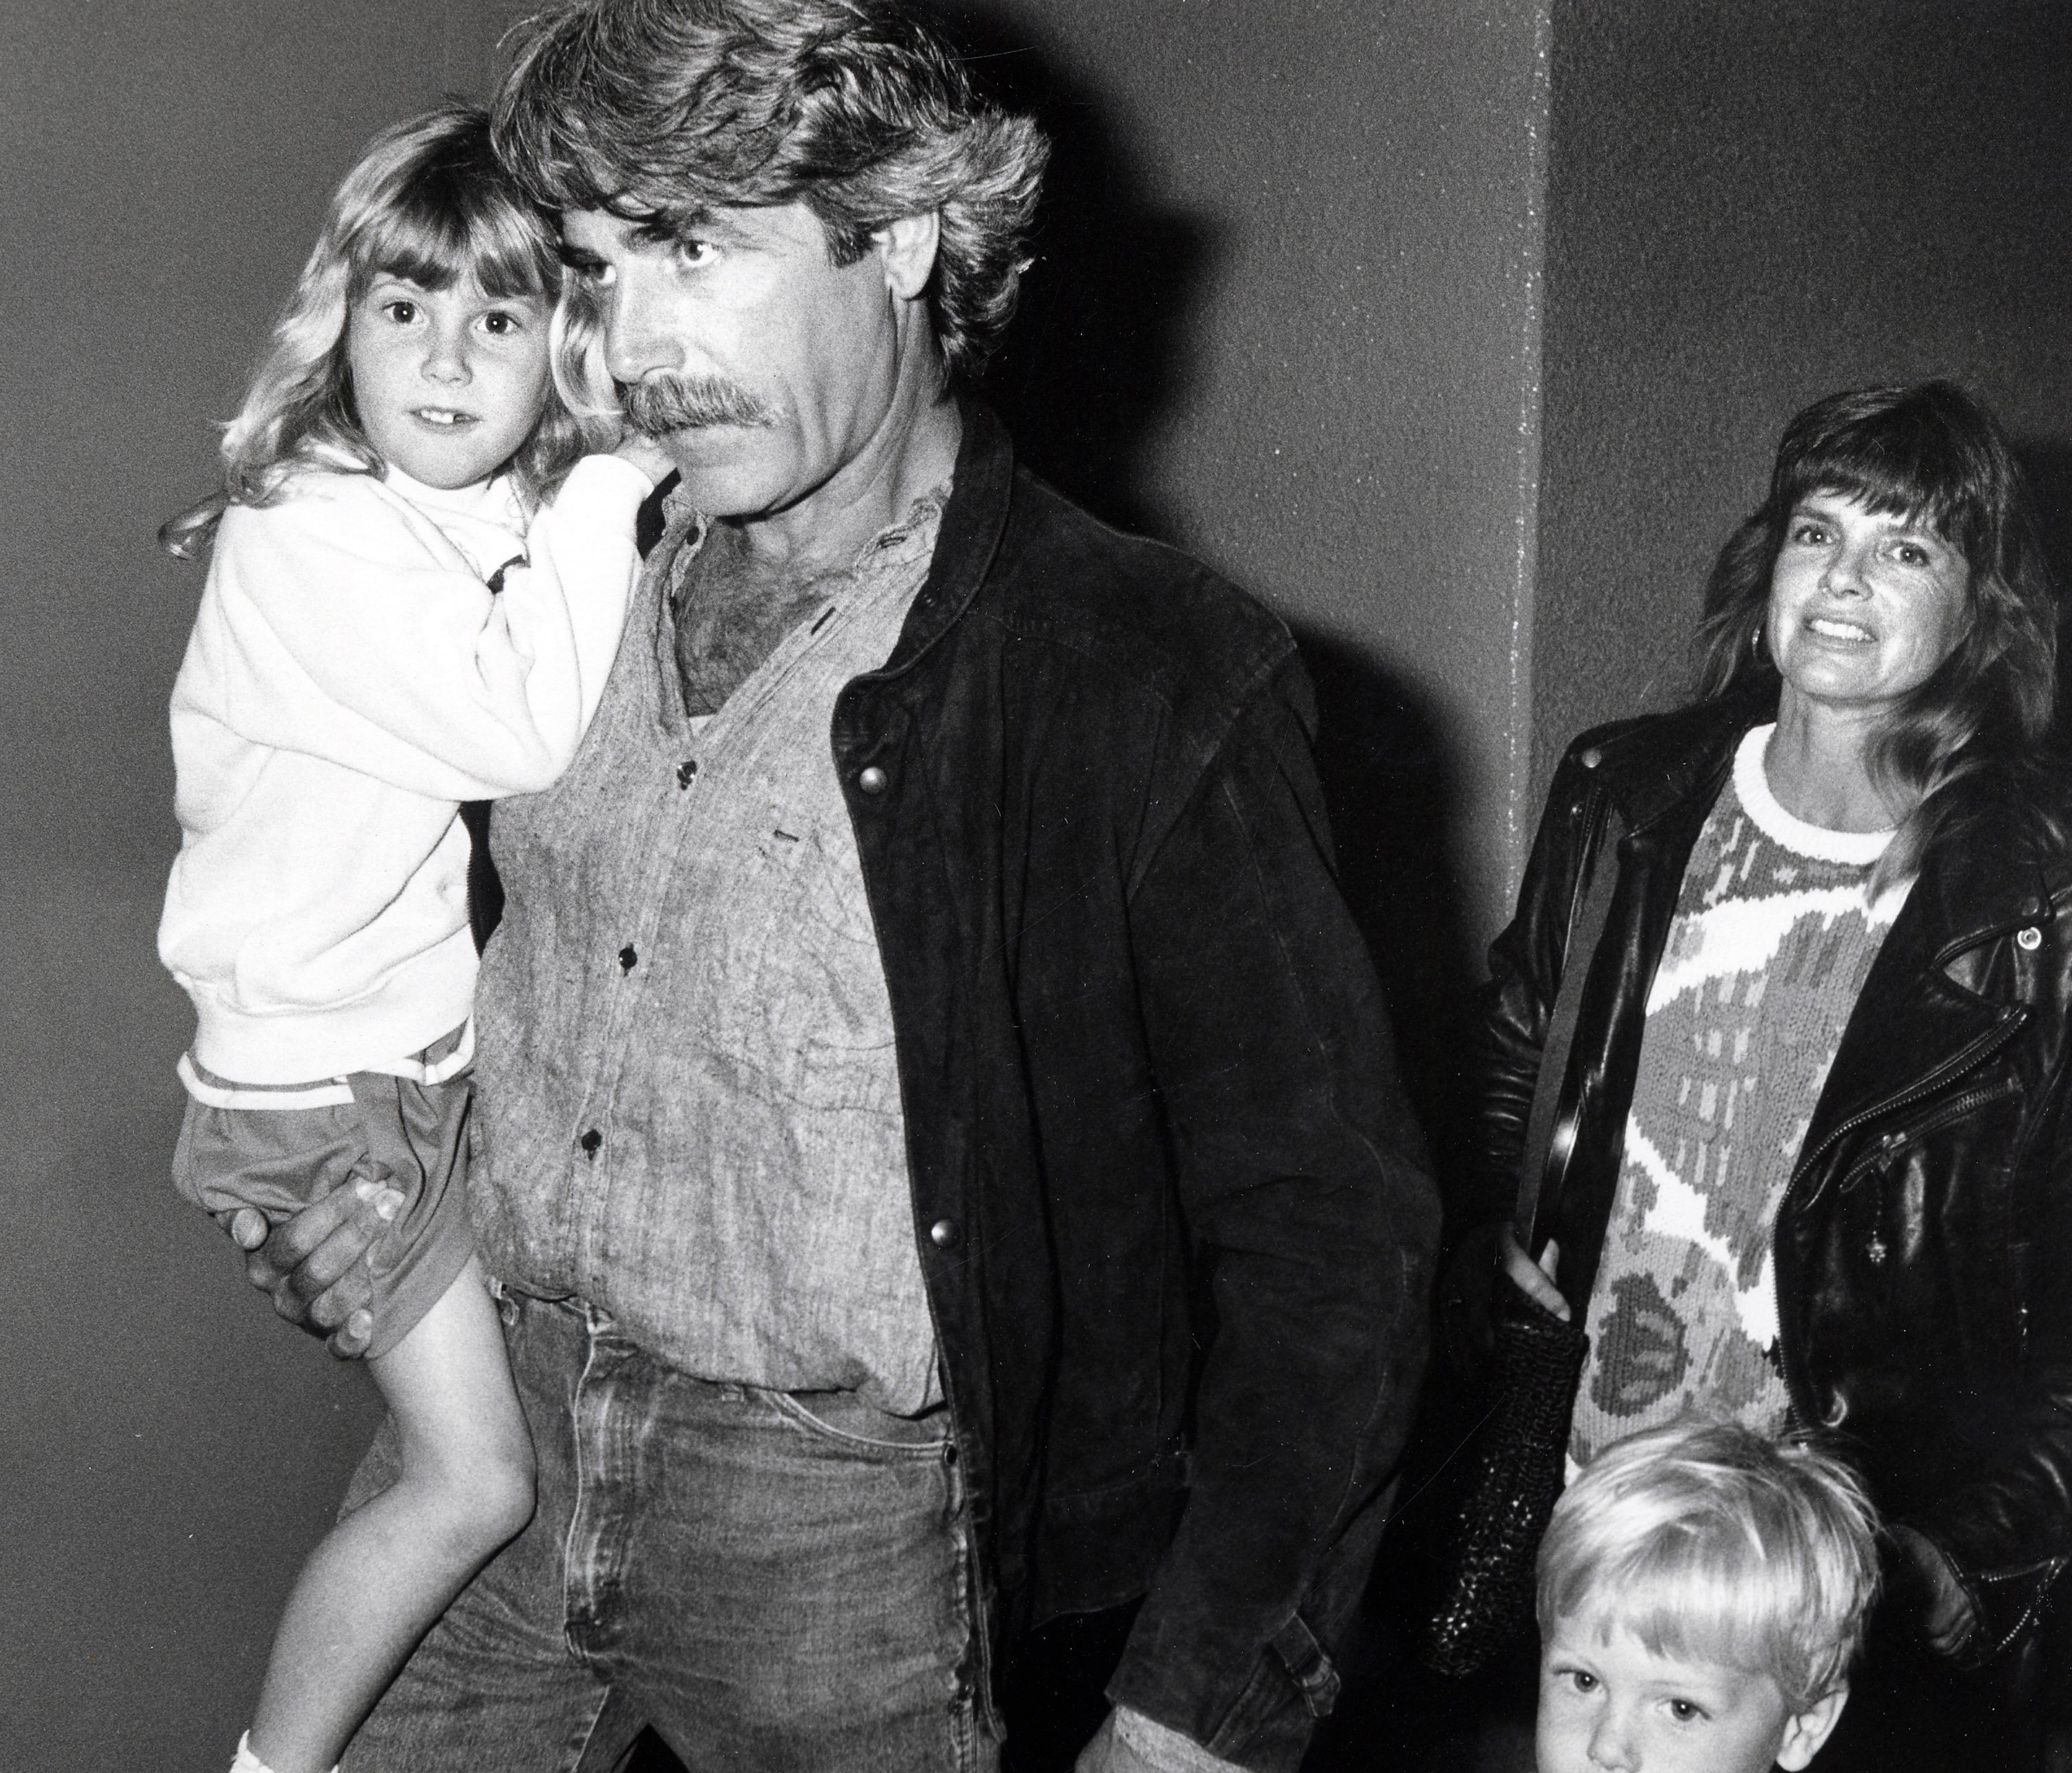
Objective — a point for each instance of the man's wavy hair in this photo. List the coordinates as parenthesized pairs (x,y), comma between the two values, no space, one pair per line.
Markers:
(660,111)
(1933,455)
(427,200)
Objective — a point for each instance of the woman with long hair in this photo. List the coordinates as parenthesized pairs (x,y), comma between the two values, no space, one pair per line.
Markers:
(1809,1163)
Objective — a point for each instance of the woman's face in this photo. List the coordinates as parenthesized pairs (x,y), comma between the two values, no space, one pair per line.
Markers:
(1863,606)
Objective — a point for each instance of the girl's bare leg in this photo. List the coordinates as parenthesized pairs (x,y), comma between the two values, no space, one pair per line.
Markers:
(386,1572)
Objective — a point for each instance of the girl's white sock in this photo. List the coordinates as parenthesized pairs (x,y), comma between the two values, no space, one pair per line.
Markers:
(248,1763)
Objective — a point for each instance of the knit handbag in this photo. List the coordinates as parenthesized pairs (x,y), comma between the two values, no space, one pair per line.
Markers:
(1520,1447)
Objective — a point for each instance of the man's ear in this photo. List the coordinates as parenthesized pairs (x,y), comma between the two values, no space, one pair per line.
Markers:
(906,246)
(1804,1734)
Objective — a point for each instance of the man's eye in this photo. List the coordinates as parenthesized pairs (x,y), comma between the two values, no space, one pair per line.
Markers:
(1810,533)
(1586,1681)
(694,254)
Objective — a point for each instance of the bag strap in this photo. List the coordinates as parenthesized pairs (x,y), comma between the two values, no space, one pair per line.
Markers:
(1586,927)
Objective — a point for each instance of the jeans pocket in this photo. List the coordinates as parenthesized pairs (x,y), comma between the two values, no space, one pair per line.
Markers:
(844,1419)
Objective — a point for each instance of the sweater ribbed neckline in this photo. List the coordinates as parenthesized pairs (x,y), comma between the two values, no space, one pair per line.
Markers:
(1855,849)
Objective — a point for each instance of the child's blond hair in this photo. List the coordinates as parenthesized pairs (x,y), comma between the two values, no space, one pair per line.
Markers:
(426,200)
(1707,1539)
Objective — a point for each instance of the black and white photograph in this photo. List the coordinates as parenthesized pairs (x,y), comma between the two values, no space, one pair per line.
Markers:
(1037,886)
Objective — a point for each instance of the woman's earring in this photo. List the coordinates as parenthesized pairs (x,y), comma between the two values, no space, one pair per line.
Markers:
(1755,643)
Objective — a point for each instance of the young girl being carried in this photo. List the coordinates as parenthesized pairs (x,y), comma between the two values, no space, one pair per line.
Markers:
(351,678)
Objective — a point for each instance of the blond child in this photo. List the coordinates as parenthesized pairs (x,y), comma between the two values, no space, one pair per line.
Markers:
(1702,1591)
(403,458)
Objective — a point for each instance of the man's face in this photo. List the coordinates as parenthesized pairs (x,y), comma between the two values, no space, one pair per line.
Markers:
(762,368)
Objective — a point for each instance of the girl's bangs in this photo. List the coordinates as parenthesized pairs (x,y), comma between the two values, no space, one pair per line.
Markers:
(506,251)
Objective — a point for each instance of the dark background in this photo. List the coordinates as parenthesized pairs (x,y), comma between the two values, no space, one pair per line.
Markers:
(1459,331)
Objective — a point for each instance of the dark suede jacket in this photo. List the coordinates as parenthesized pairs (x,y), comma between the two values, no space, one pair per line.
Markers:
(1924,1247)
(1171,1206)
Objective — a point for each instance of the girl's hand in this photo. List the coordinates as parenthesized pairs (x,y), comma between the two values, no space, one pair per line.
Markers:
(1535,1280)
(646,455)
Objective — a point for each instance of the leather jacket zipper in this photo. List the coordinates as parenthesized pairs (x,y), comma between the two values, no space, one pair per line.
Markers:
(1981,1048)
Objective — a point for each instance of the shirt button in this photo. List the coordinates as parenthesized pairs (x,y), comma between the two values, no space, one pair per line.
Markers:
(590,1141)
(943,1234)
(685,771)
(872,780)
(627,959)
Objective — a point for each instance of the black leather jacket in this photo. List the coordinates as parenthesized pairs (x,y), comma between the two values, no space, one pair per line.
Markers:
(1172,1209)
(1924,1247)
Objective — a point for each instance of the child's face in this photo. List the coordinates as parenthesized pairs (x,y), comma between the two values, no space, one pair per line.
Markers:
(1607,1702)
(448,383)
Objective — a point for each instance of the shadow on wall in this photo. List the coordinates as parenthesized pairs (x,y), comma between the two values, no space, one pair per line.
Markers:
(2047,461)
(1095,359)
(1091,372)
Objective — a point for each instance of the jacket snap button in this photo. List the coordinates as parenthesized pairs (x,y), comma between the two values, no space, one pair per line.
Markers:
(2029,940)
(872,781)
(942,1234)
(1591,759)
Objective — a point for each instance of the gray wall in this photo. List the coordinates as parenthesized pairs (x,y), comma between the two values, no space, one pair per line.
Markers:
(170,1451)
(1750,206)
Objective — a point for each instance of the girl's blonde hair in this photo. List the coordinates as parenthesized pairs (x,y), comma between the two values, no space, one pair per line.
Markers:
(1706,1539)
(428,201)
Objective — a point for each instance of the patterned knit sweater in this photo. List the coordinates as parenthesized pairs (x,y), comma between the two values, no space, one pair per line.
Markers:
(1774,934)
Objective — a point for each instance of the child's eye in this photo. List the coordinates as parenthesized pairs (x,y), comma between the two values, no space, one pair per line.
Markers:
(1684,1711)
(1584,1681)
(695,254)
(1810,534)
(500,325)
(400,311)
(1911,553)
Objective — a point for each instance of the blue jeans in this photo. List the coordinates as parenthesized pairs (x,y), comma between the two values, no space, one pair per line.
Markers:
(777,1582)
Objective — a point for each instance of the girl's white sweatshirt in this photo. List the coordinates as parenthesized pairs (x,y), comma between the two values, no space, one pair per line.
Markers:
(350,679)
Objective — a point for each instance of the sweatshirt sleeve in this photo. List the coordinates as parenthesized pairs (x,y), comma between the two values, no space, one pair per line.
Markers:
(339,624)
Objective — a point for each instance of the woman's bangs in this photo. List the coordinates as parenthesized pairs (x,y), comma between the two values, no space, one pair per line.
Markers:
(1900,477)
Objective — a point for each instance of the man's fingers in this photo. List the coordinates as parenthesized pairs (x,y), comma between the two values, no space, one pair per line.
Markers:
(319,1246)
(247,1227)
(349,1341)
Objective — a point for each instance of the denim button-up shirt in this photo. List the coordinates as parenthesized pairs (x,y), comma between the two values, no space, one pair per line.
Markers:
(690,1104)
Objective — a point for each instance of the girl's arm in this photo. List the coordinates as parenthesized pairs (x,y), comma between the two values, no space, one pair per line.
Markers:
(340,624)
(581,551)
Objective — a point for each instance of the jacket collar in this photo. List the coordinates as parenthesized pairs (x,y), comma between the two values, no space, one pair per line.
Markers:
(965,544)
(973,522)
(1990,883)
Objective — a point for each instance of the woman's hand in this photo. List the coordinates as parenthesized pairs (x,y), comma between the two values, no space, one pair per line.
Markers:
(1535,1280)
(1946,1609)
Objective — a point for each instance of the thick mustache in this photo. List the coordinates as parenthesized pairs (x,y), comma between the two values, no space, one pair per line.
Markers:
(663,403)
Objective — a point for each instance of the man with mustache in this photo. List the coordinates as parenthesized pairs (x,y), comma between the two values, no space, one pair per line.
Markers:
(942,1157)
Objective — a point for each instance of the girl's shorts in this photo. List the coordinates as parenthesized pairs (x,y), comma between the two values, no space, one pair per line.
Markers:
(236,1148)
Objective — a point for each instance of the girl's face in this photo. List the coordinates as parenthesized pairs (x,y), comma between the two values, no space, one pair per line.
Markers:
(448,383)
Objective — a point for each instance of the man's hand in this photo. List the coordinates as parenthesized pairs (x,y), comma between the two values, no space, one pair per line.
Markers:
(1108,1753)
(1130,1742)
(310,1266)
